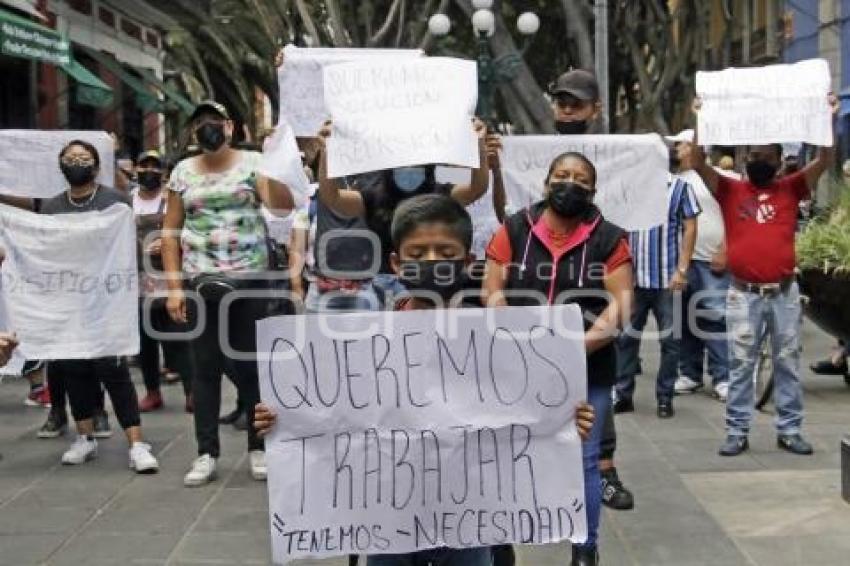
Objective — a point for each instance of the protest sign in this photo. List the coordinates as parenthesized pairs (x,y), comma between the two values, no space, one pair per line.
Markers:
(772,104)
(632,173)
(281,161)
(401,431)
(29,160)
(70,282)
(389,113)
(302,102)
(484,221)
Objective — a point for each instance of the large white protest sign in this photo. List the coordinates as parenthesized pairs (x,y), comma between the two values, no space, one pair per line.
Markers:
(70,282)
(484,220)
(29,160)
(773,104)
(632,172)
(388,113)
(302,102)
(401,431)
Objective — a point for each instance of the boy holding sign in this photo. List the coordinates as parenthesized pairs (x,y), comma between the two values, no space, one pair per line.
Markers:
(432,236)
(760,213)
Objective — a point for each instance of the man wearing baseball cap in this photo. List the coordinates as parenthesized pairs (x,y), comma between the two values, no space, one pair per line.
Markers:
(576,103)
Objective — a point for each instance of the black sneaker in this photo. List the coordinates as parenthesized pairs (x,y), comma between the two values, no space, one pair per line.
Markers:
(665,409)
(624,405)
(795,444)
(583,556)
(614,493)
(734,445)
(55,425)
(101,426)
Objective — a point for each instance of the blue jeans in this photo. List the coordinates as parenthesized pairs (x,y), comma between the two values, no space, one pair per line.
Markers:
(660,303)
(434,557)
(748,315)
(600,399)
(708,313)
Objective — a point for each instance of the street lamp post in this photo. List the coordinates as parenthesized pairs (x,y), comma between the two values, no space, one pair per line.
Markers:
(490,71)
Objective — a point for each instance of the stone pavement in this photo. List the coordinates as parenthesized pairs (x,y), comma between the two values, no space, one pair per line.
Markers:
(765,508)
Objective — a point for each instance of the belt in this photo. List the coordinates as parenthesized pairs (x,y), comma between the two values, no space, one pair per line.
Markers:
(763,289)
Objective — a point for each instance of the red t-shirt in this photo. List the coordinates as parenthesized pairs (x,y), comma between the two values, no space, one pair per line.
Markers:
(760,224)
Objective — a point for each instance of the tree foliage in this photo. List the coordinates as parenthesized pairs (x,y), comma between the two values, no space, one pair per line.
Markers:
(226,48)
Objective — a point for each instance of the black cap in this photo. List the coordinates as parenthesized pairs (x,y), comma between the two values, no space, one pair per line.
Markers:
(579,83)
(151,155)
(209,106)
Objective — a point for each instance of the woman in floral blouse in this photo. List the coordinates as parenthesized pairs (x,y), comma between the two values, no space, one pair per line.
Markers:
(215,246)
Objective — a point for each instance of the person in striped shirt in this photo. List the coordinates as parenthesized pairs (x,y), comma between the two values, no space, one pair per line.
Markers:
(661,257)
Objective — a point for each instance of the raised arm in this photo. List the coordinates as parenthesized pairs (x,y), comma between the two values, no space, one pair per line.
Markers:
(332,193)
(466,194)
(709,175)
(826,155)
(494,146)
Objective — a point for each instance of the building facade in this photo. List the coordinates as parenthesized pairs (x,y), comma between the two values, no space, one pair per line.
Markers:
(89,64)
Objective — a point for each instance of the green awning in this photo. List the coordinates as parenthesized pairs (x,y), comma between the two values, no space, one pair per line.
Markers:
(90,89)
(20,37)
(184,106)
(147,101)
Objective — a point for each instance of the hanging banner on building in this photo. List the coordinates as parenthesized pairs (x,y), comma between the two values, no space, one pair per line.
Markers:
(631,173)
(302,91)
(402,431)
(70,282)
(762,105)
(29,160)
(389,113)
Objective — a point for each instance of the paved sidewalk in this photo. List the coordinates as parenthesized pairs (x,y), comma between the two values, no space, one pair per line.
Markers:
(765,508)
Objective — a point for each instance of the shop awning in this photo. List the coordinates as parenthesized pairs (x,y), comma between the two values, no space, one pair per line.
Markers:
(90,90)
(19,37)
(147,100)
(184,106)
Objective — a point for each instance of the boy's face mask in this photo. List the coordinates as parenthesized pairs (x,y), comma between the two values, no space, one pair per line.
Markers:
(443,277)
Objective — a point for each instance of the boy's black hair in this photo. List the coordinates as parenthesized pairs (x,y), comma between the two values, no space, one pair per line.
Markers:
(572,155)
(84,144)
(431,209)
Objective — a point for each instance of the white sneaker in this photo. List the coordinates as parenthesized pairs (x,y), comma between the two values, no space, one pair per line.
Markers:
(686,385)
(141,459)
(202,472)
(258,464)
(81,450)
(722,391)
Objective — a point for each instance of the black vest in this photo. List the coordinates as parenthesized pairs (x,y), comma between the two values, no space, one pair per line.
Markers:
(580,269)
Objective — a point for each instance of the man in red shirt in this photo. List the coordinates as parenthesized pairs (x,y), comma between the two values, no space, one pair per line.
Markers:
(760,215)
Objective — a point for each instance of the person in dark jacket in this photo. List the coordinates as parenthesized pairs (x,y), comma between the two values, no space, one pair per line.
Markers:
(560,251)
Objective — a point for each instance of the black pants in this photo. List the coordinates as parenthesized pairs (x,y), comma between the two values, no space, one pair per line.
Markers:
(59,391)
(83,379)
(210,361)
(179,356)
(608,444)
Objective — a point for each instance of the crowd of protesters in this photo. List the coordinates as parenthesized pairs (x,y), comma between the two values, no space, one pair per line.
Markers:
(727,246)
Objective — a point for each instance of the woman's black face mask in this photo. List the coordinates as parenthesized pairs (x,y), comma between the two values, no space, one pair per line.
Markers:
(211,136)
(569,199)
